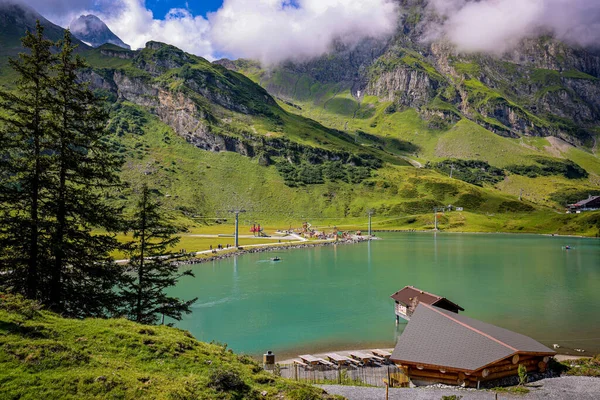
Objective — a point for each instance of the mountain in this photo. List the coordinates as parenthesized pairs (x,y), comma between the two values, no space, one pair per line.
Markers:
(17,18)
(93,31)
(336,136)
(536,103)
(543,88)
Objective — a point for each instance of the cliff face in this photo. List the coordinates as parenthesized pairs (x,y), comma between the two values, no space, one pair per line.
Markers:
(214,108)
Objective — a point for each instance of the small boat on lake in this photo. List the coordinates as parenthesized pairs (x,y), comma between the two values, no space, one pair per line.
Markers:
(275,259)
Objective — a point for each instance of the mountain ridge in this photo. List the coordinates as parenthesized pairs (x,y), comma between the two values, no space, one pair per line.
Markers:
(300,146)
(93,31)
(543,87)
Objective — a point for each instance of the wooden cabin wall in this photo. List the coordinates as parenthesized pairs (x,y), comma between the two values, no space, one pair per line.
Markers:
(500,370)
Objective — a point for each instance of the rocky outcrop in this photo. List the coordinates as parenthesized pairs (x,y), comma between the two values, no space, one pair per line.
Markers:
(404,86)
(547,53)
(124,55)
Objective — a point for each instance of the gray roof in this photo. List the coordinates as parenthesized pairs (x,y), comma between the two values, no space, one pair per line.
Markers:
(442,338)
(586,201)
(407,294)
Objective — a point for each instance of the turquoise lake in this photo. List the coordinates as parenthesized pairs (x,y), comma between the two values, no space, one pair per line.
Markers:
(338,297)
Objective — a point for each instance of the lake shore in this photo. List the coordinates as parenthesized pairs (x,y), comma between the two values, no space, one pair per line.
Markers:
(481,233)
(222,254)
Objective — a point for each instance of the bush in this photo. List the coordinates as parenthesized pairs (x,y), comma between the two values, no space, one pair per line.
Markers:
(19,305)
(223,380)
(471,171)
(304,393)
(470,200)
(514,206)
(549,166)
(522,371)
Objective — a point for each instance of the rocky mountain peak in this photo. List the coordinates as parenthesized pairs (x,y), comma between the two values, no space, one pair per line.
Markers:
(92,30)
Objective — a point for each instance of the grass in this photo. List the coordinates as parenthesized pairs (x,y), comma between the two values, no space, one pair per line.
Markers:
(583,367)
(45,356)
(203,185)
(516,390)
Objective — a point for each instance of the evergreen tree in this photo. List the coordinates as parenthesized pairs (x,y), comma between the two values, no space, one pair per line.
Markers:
(24,162)
(57,169)
(82,276)
(152,269)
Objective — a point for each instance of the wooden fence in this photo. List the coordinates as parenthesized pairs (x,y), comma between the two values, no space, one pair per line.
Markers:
(356,376)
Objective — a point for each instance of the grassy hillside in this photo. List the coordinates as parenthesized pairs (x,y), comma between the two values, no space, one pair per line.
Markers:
(421,137)
(44,356)
(320,155)
(207,184)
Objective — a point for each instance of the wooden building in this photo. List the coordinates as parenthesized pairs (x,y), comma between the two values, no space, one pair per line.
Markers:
(590,204)
(439,346)
(409,298)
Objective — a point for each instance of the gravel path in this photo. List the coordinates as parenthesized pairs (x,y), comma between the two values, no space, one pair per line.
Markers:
(563,388)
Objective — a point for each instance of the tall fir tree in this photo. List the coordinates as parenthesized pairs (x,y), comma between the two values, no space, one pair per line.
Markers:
(24,168)
(82,275)
(151,267)
(57,168)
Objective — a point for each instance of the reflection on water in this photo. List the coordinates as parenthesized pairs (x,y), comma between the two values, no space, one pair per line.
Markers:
(338,297)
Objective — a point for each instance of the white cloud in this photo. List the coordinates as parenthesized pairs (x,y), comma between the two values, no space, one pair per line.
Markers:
(136,25)
(274,30)
(498,25)
(268,30)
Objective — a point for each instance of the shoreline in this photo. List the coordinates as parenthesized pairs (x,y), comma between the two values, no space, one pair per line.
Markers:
(264,248)
(253,249)
(481,233)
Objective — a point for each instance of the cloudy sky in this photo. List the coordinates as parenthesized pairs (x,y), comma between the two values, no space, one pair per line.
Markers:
(267,30)
(276,30)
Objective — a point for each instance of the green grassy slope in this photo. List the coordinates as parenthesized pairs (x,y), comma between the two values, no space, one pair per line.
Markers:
(329,122)
(203,183)
(406,132)
(44,356)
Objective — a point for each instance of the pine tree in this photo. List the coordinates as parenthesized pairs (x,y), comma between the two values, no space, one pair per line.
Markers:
(24,161)
(58,168)
(83,276)
(152,269)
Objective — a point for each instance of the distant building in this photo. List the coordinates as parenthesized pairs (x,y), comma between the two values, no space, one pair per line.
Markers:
(409,298)
(439,346)
(590,204)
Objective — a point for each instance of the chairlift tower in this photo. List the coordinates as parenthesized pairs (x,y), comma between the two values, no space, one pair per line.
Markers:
(237,218)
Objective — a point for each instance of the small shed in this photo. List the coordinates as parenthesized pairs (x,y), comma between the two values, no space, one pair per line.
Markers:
(439,346)
(408,298)
(589,204)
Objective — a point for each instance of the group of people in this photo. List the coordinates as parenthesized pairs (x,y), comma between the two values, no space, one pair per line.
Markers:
(219,247)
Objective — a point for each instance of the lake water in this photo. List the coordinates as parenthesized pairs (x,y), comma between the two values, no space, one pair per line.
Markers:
(338,297)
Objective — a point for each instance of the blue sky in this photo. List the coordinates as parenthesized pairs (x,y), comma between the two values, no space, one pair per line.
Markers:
(197,7)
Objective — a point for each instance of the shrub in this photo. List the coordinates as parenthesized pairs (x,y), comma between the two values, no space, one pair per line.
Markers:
(549,166)
(304,393)
(471,171)
(514,206)
(19,305)
(522,371)
(223,380)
